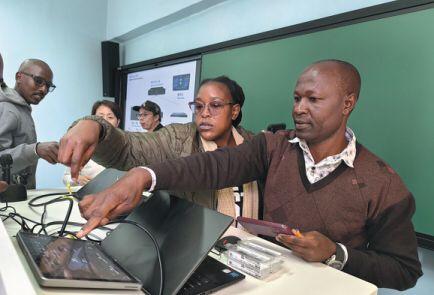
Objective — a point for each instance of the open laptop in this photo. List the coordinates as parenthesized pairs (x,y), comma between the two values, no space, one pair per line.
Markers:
(127,259)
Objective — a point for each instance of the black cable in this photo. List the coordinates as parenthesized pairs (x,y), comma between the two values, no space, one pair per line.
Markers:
(7,207)
(66,194)
(77,224)
(12,216)
(157,248)
(68,214)
(63,197)
(23,218)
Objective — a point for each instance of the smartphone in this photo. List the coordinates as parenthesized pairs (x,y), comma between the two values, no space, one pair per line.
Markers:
(262,227)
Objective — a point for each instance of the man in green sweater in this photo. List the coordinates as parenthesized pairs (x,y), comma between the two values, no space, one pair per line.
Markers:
(353,210)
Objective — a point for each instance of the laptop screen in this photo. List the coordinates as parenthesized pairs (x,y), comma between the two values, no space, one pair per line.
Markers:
(62,258)
(185,232)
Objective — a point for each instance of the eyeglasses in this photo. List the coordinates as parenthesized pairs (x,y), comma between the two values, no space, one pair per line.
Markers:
(214,107)
(39,81)
(142,115)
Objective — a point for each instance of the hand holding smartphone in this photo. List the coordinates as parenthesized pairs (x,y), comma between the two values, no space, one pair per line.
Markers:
(266,228)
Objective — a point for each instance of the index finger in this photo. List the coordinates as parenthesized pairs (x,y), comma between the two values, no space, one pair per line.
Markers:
(65,151)
(90,225)
(55,149)
(77,160)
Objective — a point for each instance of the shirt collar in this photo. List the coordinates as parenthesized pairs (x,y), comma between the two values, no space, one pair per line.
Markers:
(347,155)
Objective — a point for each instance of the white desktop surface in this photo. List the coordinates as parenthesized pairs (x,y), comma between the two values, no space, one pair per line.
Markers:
(295,277)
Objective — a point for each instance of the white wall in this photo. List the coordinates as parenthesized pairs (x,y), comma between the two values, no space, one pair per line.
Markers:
(67,35)
(218,21)
(127,15)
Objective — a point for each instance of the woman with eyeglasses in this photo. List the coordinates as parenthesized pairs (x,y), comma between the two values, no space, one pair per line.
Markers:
(217,114)
(111,113)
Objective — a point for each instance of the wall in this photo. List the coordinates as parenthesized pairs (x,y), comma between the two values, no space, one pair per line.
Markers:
(67,35)
(124,16)
(217,21)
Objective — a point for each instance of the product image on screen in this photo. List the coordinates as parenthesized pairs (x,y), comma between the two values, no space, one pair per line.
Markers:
(181,82)
(156,91)
(180,115)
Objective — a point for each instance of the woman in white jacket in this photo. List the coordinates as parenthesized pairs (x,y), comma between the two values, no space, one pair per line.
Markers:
(110,112)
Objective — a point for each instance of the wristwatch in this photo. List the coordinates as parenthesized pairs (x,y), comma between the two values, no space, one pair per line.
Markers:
(337,260)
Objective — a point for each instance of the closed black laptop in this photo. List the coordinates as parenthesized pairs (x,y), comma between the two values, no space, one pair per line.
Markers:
(185,233)
(100,182)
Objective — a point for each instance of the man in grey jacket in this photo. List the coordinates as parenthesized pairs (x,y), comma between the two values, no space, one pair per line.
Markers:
(17,128)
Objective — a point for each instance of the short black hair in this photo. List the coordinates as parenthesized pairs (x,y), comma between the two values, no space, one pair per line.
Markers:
(235,90)
(110,104)
(349,74)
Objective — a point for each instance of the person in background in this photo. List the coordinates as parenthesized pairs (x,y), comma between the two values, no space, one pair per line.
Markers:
(352,208)
(217,111)
(110,112)
(33,81)
(149,116)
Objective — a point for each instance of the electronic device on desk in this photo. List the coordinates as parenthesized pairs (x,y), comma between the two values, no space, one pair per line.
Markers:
(262,227)
(252,257)
(14,192)
(100,182)
(127,258)
(224,242)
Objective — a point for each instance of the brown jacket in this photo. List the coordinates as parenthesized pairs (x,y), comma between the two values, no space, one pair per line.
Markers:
(125,150)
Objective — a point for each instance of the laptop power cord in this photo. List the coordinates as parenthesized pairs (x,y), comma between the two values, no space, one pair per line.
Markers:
(27,224)
(62,197)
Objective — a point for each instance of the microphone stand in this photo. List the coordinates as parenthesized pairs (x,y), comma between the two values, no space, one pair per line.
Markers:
(14,192)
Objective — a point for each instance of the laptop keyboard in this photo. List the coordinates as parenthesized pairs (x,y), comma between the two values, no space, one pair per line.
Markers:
(210,276)
(194,284)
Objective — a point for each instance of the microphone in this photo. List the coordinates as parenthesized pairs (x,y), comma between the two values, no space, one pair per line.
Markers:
(14,192)
(6,163)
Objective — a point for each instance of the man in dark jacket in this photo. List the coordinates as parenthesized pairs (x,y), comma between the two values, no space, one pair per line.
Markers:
(17,128)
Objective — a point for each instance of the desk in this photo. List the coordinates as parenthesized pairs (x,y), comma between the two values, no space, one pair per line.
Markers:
(295,277)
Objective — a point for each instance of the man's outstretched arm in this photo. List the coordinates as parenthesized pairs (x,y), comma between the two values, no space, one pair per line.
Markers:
(212,170)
